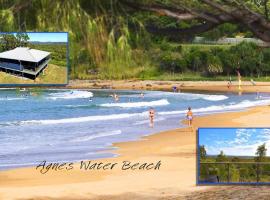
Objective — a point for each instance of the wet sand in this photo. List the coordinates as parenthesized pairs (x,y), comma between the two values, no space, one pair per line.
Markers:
(207,86)
(175,179)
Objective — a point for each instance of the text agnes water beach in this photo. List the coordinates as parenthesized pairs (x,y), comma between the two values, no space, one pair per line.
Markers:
(73,125)
(45,167)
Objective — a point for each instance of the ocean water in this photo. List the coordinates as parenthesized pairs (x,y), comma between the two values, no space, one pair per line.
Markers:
(72,125)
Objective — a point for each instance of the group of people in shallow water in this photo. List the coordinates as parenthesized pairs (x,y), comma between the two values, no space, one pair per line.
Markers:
(189,113)
(116,97)
(152,112)
(189,116)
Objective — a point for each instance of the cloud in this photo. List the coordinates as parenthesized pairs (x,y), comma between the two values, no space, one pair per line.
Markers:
(264,134)
(244,143)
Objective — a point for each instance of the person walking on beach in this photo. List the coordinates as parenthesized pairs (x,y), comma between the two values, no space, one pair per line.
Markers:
(189,116)
(239,80)
(229,85)
(151,117)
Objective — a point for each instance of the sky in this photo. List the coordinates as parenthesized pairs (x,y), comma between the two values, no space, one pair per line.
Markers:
(48,37)
(234,141)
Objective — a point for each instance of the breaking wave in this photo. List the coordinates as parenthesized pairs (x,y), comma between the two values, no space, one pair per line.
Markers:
(74,94)
(162,102)
(238,106)
(97,135)
(189,96)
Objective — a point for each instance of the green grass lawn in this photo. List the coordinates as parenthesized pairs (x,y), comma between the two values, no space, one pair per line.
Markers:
(53,74)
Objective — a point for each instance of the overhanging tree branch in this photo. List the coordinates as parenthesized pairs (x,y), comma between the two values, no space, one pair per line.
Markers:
(181,34)
(231,11)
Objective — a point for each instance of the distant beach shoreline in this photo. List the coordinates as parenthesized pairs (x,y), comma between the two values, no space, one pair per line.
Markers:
(185,86)
(206,86)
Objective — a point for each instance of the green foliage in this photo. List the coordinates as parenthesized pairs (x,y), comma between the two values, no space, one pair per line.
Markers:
(224,30)
(7,20)
(118,57)
(221,157)
(261,153)
(11,41)
(202,152)
(214,65)
(58,52)
(237,169)
(172,62)
(22,39)
(109,41)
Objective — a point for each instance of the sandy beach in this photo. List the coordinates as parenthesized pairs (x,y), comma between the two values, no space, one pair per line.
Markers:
(175,178)
(210,86)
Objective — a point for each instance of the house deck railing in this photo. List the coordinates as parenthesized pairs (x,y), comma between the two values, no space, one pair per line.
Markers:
(234,172)
(21,69)
(11,66)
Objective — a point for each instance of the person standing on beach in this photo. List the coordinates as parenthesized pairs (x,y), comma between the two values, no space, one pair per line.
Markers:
(151,117)
(189,116)
(174,89)
(239,80)
(229,85)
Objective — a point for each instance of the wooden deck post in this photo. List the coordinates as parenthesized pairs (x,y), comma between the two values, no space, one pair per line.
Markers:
(228,168)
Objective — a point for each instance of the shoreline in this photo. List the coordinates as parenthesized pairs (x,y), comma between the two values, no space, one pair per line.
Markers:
(206,86)
(175,148)
(182,86)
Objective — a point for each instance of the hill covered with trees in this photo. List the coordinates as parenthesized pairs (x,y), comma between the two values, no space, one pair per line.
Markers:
(151,39)
(229,169)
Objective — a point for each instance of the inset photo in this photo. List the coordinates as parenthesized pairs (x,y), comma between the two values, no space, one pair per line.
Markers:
(233,156)
(34,58)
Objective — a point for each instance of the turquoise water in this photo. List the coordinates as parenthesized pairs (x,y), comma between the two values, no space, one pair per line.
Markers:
(71,125)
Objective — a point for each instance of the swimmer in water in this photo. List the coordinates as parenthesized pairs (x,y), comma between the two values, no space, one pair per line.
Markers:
(258,94)
(116,97)
(142,95)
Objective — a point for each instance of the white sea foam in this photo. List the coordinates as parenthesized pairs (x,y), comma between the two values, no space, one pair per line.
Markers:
(82,119)
(214,108)
(12,99)
(189,96)
(161,102)
(241,105)
(212,97)
(97,135)
(76,106)
(74,94)
(8,88)
(147,121)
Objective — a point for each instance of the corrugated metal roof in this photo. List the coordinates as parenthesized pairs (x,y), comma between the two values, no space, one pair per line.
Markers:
(25,54)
